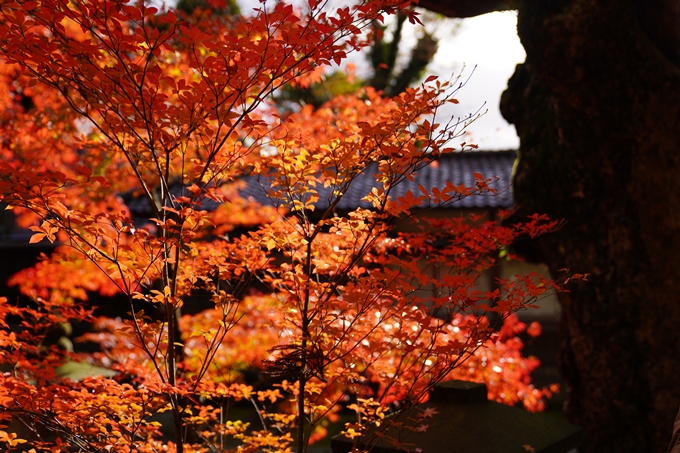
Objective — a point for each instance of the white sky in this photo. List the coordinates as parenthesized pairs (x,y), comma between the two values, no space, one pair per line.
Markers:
(483,50)
(487,44)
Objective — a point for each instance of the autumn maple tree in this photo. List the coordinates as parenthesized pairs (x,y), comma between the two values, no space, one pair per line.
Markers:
(113,101)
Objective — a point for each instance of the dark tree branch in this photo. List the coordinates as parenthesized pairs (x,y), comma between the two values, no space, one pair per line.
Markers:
(466,8)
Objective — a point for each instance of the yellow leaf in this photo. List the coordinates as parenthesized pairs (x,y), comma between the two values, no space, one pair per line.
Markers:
(351,433)
(10,438)
(36,238)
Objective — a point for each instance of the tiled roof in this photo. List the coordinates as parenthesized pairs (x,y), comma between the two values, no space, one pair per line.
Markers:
(454,168)
(457,169)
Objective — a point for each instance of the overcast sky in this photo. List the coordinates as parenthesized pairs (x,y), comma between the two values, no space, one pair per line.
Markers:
(484,50)
(488,45)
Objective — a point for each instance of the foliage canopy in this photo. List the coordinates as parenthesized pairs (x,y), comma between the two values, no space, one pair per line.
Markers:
(328,309)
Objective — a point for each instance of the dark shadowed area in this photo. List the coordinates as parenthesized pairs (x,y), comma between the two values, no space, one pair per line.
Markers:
(596,108)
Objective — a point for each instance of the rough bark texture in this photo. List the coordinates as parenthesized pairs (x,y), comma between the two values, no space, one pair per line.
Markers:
(597,108)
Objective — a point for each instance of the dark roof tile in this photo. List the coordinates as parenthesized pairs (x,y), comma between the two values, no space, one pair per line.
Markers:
(456,168)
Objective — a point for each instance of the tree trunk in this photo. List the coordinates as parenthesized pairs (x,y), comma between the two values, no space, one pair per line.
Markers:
(597,108)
